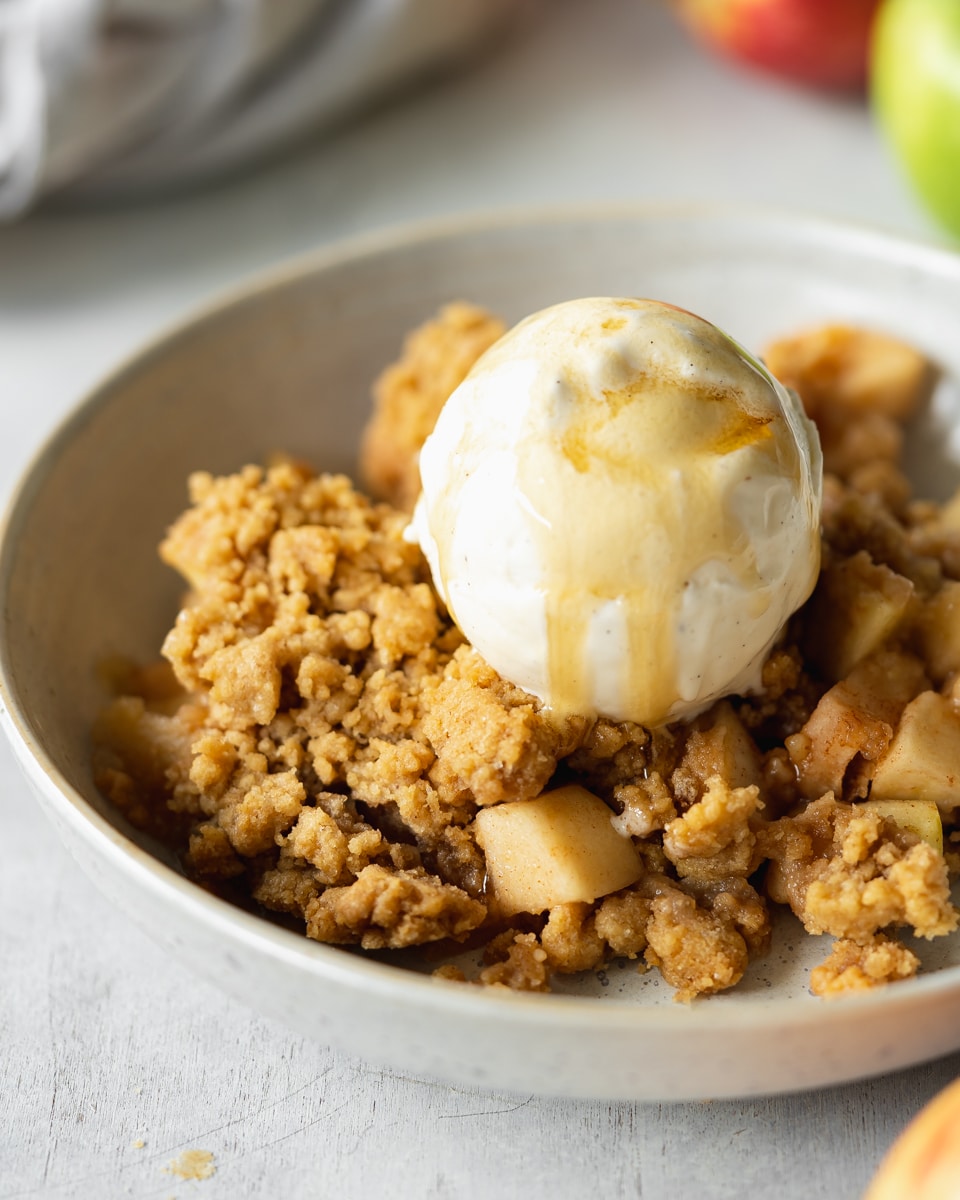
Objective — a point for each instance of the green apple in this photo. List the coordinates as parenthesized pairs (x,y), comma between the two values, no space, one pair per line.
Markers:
(915,85)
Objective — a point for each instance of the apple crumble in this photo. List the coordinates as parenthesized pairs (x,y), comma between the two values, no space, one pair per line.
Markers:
(321,741)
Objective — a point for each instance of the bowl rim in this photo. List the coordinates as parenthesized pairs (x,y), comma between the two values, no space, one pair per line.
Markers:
(349,969)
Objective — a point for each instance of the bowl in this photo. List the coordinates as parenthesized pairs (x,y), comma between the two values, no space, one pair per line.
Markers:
(286,363)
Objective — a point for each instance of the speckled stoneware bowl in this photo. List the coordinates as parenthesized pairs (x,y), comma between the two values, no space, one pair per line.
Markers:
(287,363)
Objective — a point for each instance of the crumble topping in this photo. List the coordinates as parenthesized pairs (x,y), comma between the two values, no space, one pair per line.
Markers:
(320,737)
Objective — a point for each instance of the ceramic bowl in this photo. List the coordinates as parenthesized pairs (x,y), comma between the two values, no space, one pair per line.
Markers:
(286,363)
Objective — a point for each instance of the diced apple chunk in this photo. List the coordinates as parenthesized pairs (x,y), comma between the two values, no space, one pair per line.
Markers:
(939,627)
(854,369)
(725,748)
(558,848)
(857,605)
(921,817)
(923,760)
(840,728)
(853,724)
(950,513)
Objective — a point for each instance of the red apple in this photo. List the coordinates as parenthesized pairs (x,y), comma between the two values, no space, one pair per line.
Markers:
(915,83)
(818,42)
(924,1163)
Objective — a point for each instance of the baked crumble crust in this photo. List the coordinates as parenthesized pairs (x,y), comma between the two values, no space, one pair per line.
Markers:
(322,736)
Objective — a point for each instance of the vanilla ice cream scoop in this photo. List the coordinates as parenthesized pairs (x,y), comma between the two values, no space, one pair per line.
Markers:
(621,509)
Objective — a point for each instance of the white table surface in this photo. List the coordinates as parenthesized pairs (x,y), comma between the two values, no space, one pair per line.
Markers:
(104,1041)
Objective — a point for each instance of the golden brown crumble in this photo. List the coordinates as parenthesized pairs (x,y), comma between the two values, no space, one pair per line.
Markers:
(409,394)
(321,738)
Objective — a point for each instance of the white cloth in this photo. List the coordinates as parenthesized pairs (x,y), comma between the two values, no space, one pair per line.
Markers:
(115,96)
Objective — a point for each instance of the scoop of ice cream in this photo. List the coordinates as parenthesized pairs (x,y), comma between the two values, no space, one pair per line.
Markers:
(620,509)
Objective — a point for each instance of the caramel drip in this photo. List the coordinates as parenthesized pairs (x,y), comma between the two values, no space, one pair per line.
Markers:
(590,555)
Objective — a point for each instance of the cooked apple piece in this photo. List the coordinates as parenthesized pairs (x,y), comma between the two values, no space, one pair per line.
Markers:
(923,760)
(886,681)
(856,607)
(724,748)
(853,724)
(925,1160)
(939,629)
(840,728)
(854,369)
(555,849)
(921,817)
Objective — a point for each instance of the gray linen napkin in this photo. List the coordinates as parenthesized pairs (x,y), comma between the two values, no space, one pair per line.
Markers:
(118,96)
